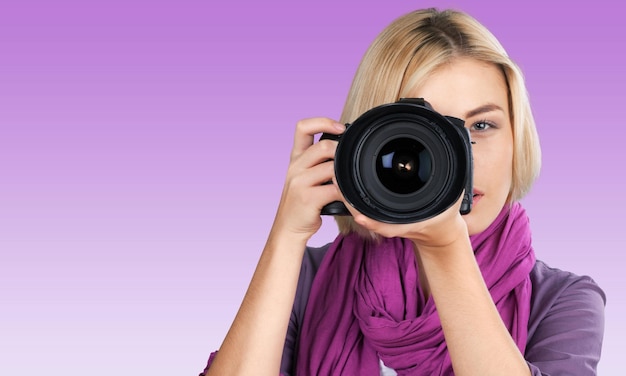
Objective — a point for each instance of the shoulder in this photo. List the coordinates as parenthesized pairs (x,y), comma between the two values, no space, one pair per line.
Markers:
(555,290)
(552,286)
(566,325)
(313,257)
(311,261)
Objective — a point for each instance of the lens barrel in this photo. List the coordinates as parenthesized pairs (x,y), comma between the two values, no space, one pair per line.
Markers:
(403,162)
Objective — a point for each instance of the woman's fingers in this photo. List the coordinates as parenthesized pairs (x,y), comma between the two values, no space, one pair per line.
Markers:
(432,232)
(311,167)
(306,129)
(313,176)
(317,153)
(303,198)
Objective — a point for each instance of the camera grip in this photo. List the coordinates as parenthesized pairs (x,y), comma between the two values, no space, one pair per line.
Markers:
(335,208)
(330,136)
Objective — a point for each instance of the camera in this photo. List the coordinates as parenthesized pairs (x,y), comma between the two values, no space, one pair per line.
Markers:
(402,162)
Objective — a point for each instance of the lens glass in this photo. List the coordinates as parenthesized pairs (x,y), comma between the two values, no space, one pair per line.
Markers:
(403,165)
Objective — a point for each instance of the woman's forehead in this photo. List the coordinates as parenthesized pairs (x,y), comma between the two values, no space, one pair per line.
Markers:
(462,86)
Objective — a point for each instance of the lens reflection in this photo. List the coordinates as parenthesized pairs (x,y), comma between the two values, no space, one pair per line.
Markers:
(403,165)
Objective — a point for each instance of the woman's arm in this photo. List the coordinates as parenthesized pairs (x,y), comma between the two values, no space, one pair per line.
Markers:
(254,343)
(477,339)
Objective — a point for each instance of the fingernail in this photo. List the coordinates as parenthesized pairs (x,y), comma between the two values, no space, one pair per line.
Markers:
(339,126)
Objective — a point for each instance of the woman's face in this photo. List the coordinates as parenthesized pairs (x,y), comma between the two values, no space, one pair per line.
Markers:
(476,92)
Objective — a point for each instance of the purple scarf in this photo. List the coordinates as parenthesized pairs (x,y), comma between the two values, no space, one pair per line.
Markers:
(366,302)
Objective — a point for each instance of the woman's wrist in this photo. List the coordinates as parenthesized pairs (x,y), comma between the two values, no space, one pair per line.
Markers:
(281,237)
(449,236)
(444,253)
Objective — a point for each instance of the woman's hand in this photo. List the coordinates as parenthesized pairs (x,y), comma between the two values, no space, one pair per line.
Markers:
(305,192)
(433,233)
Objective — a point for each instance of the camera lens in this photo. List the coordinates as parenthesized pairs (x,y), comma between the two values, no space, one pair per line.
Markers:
(403,165)
(403,162)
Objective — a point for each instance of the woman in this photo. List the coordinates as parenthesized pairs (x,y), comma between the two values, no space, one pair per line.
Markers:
(454,294)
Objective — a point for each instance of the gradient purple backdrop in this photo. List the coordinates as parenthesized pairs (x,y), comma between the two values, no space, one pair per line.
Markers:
(143,146)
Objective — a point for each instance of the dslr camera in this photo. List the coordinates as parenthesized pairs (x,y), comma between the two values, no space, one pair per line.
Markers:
(403,162)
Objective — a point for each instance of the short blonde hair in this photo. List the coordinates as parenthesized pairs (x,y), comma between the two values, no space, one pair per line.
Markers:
(411,48)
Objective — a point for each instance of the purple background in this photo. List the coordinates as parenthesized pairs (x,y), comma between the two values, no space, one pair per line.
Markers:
(143,146)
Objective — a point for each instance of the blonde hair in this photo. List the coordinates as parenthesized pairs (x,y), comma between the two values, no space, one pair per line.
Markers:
(411,48)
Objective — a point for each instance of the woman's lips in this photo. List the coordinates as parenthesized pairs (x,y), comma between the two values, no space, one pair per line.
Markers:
(476,196)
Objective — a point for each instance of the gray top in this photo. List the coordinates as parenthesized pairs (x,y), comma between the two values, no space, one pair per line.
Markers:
(565,328)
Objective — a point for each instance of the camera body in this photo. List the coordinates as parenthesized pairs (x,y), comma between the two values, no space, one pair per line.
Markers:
(403,162)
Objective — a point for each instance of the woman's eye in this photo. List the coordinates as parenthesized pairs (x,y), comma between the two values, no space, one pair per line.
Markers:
(481,126)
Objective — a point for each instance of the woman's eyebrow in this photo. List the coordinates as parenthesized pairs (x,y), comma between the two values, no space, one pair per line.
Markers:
(482,109)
